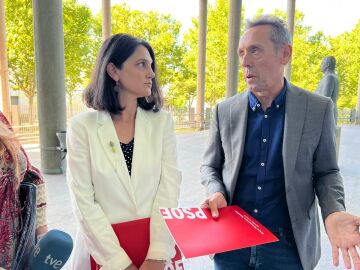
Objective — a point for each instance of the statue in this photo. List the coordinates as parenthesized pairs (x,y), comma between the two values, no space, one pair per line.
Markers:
(329,84)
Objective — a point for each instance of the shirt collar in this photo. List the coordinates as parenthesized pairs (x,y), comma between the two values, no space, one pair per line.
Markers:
(278,101)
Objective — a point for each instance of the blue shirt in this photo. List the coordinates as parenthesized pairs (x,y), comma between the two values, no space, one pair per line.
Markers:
(260,188)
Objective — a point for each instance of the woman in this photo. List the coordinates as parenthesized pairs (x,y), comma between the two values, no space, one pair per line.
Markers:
(14,164)
(122,157)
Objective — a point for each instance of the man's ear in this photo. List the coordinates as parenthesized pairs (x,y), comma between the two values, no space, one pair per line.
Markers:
(111,69)
(286,52)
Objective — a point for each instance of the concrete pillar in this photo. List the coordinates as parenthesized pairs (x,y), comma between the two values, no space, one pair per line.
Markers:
(201,64)
(4,72)
(232,65)
(357,117)
(290,18)
(50,80)
(106,19)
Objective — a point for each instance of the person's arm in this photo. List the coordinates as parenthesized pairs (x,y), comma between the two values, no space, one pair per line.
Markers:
(162,246)
(41,211)
(211,175)
(35,177)
(326,176)
(342,228)
(41,201)
(100,238)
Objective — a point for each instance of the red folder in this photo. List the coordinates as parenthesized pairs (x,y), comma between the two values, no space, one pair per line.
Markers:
(196,233)
(134,238)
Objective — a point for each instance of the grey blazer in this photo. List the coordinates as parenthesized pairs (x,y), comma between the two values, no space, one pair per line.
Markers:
(309,159)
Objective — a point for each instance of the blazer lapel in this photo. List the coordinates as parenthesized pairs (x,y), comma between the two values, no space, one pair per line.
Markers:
(143,131)
(295,112)
(238,123)
(111,146)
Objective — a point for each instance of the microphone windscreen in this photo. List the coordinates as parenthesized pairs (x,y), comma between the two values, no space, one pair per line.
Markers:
(52,251)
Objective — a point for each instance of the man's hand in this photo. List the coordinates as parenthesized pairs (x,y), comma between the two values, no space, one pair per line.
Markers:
(343,231)
(131,267)
(152,265)
(215,201)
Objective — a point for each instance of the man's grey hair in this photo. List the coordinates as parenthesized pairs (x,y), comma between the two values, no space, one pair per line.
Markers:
(280,35)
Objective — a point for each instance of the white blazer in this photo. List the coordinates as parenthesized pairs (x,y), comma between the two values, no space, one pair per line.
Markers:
(103,193)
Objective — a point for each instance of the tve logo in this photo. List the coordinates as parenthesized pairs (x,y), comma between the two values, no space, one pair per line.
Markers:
(56,264)
(182,213)
(51,252)
(49,259)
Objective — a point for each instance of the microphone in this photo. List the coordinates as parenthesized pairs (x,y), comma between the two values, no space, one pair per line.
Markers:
(52,251)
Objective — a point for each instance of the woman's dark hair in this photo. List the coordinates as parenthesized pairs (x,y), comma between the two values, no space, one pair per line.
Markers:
(100,94)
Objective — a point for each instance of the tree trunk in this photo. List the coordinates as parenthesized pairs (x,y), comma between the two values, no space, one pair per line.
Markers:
(31,107)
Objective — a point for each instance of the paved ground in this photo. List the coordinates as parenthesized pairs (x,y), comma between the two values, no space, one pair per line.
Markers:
(190,146)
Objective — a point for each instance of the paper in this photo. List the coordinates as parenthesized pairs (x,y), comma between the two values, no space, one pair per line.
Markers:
(196,233)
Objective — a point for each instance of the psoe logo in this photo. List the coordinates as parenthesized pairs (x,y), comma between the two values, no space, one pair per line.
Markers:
(183,213)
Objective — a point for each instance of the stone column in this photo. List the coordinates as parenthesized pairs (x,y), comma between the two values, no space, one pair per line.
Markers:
(232,65)
(106,19)
(357,116)
(201,64)
(290,18)
(50,80)
(4,72)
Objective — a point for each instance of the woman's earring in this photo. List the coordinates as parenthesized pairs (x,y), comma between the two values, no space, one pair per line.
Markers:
(117,87)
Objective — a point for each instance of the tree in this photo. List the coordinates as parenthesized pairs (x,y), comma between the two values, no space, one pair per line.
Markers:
(216,55)
(80,43)
(182,91)
(20,48)
(161,31)
(346,50)
(308,51)
(216,51)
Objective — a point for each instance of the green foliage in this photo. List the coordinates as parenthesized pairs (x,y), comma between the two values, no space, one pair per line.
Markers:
(79,40)
(308,51)
(216,51)
(346,50)
(182,93)
(20,46)
(20,49)
(216,55)
(79,44)
(161,31)
(176,61)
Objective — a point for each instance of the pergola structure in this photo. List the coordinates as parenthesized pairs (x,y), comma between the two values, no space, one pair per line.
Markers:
(50,78)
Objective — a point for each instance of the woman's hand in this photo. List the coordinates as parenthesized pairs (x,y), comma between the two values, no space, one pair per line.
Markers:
(41,231)
(152,265)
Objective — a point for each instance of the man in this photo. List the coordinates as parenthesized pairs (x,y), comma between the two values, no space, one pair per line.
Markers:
(271,151)
(329,84)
